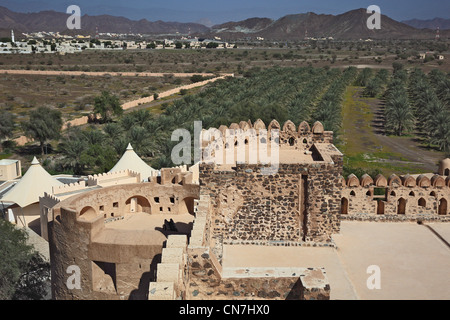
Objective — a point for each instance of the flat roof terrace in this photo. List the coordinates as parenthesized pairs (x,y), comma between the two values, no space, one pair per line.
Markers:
(142,221)
(136,235)
(413,260)
(319,152)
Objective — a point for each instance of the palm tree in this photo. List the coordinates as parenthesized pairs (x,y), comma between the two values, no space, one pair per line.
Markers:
(399,116)
(136,118)
(107,105)
(113,131)
(72,145)
(440,130)
(6,124)
(72,149)
(93,136)
(44,124)
(373,87)
(139,139)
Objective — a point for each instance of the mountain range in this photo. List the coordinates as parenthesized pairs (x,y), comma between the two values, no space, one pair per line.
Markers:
(349,25)
(429,24)
(56,21)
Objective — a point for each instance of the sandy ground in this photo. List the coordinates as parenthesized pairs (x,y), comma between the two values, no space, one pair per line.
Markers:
(271,256)
(443,229)
(413,261)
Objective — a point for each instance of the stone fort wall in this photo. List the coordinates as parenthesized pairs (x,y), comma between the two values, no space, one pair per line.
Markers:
(297,205)
(404,198)
(113,263)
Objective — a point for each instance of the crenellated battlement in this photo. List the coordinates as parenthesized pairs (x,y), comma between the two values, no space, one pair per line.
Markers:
(422,181)
(397,198)
(175,175)
(71,187)
(255,143)
(50,197)
(301,137)
(113,178)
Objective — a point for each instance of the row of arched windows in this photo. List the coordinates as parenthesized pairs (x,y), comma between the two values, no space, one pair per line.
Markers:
(401,206)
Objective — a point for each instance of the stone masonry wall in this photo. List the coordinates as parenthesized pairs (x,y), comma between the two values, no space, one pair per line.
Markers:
(205,283)
(404,199)
(251,208)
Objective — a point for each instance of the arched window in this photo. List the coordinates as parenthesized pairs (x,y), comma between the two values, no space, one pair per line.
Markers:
(139,204)
(443,207)
(344,206)
(187,206)
(88,213)
(291,141)
(422,202)
(353,193)
(393,193)
(412,194)
(380,207)
(401,207)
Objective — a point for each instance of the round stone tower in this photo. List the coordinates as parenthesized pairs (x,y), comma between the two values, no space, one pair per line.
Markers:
(444,167)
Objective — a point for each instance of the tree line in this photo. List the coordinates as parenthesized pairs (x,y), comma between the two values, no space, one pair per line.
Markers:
(417,103)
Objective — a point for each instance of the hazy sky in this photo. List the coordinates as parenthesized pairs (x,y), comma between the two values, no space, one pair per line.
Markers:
(233,10)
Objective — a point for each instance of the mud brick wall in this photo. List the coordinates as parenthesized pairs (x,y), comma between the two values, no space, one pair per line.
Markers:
(301,202)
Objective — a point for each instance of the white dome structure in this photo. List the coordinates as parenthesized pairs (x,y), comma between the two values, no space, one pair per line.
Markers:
(131,161)
(35,182)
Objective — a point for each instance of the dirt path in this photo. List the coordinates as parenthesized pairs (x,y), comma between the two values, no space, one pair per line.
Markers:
(114,74)
(409,148)
(367,146)
(22,140)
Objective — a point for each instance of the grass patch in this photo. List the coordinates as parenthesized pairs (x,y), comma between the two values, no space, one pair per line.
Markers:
(360,146)
(5,156)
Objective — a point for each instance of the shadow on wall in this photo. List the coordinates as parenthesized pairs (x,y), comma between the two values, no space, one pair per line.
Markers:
(296,292)
(141,293)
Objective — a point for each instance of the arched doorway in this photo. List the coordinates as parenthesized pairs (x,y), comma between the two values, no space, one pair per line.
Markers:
(187,206)
(88,213)
(401,206)
(344,206)
(443,207)
(422,202)
(380,207)
(137,204)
